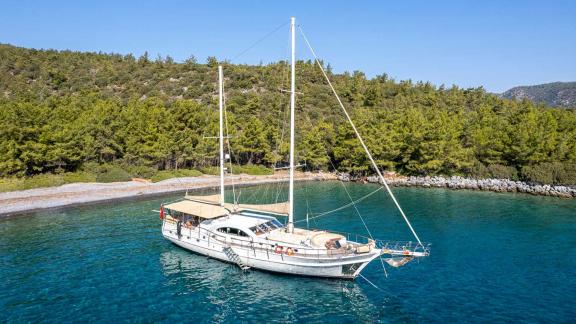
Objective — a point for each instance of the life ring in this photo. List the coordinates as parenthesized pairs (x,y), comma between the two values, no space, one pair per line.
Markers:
(406,252)
(289,251)
(278,249)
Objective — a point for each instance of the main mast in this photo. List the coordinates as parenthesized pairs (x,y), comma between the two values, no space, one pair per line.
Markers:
(292,102)
(221,135)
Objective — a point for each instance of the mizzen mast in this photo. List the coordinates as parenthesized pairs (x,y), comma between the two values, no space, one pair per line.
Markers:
(290,227)
(221,134)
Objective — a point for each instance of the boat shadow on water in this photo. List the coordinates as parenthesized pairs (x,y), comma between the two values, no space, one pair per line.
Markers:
(238,293)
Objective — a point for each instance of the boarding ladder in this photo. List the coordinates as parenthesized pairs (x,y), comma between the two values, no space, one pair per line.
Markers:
(234,257)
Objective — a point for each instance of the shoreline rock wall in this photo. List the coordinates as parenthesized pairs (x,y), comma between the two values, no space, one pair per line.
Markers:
(457,182)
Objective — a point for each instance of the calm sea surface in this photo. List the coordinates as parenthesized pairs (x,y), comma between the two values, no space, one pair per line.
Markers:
(495,257)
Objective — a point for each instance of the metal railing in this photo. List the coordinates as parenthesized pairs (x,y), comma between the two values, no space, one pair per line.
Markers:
(247,245)
(406,248)
(389,247)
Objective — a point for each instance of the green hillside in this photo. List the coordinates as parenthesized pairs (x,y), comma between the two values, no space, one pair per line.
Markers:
(63,111)
(558,94)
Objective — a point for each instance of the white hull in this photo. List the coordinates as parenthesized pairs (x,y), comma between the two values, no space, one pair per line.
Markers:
(346,267)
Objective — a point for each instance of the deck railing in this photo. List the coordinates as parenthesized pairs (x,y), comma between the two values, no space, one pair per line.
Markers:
(250,247)
(388,247)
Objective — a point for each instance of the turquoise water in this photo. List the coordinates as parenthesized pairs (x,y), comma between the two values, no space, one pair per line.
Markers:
(495,257)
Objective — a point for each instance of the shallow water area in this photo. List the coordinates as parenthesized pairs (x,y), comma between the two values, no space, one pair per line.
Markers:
(495,257)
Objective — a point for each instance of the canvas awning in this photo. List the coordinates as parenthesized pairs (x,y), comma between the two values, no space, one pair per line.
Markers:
(215,199)
(199,209)
(279,208)
(276,208)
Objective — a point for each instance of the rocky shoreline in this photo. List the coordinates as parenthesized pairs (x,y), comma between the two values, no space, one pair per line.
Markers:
(18,202)
(456,182)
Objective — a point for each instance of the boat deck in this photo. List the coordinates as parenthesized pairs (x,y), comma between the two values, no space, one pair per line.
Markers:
(314,238)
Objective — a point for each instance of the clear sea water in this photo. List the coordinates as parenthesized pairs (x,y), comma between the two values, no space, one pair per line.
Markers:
(495,258)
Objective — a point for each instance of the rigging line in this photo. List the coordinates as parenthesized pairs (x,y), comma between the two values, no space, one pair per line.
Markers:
(230,153)
(374,165)
(283,113)
(370,282)
(285,78)
(349,196)
(383,267)
(345,206)
(315,224)
(278,190)
(353,204)
(207,125)
(308,210)
(258,42)
(172,201)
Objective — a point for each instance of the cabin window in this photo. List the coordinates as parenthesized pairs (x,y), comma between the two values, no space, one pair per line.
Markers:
(274,224)
(277,223)
(271,225)
(256,230)
(266,227)
(232,231)
(242,233)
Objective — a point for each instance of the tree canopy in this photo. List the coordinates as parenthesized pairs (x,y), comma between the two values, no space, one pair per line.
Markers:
(60,110)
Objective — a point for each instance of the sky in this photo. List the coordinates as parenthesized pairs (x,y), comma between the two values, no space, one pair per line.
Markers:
(494,44)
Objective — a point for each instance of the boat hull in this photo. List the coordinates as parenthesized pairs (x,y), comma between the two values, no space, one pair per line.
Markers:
(348,267)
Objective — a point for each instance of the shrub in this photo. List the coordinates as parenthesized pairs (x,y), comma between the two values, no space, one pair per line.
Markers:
(38,181)
(168,174)
(478,171)
(80,176)
(539,173)
(112,173)
(499,171)
(45,180)
(252,169)
(210,170)
(107,172)
(568,176)
(550,173)
(9,184)
(140,171)
(91,167)
(42,180)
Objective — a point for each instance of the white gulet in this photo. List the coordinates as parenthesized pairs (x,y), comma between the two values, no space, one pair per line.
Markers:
(250,236)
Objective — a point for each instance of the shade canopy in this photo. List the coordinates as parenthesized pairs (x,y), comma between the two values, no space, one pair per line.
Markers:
(276,208)
(199,209)
(215,199)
